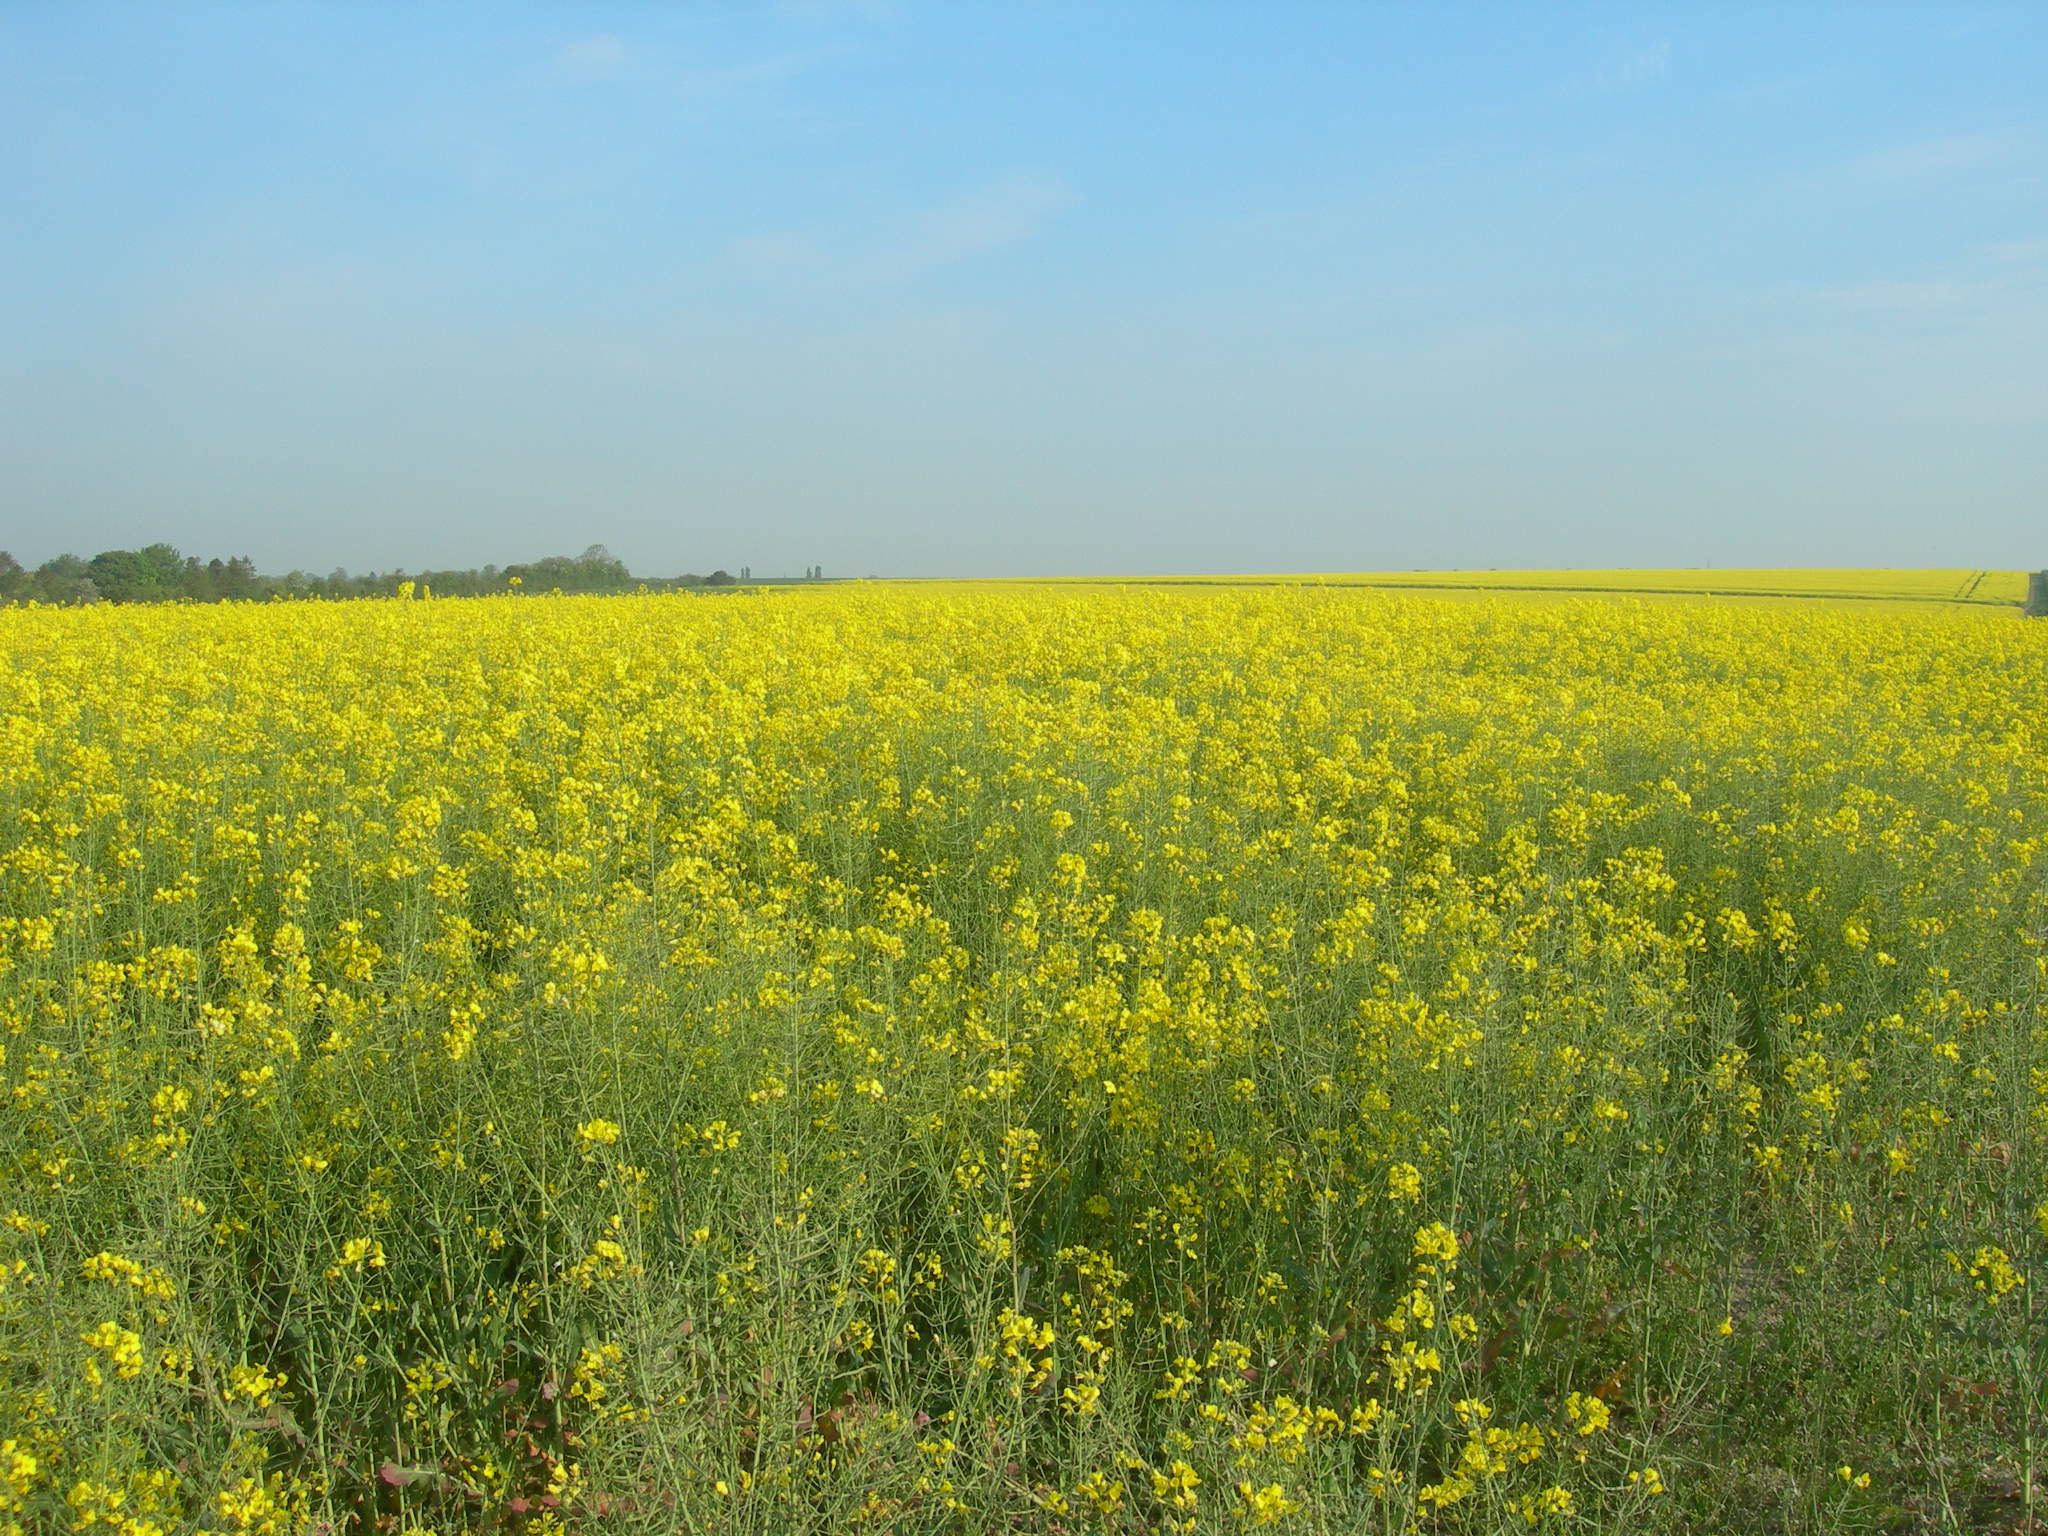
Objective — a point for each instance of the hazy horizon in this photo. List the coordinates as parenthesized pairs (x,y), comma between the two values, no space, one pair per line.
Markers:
(905,290)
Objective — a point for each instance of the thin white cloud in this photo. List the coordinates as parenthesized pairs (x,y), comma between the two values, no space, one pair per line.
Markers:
(2018,250)
(607,56)
(1995,284)
(1643,65)
(1773,89)
(712,81)
(903,249)
(1904,296)
(598,57)
(996,215)
(1949,155)
(825,11)
(774,252)
(1628,70)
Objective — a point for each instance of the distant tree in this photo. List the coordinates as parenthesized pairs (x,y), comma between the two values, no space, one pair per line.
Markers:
(720,578)
(159,573)
(116,575)
(597,569)
(148,575)
(164,572)
(64,579)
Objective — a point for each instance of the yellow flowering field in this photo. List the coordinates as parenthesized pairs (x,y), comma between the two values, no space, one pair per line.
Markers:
(1022,1058)
(1926,585)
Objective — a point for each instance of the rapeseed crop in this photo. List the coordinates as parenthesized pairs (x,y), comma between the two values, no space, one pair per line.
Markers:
(1022,1058)
(1859,584)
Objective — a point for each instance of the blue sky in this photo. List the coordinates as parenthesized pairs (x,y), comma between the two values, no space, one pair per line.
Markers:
(956,289)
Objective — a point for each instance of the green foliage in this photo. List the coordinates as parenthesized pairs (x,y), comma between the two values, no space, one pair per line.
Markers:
(160,573)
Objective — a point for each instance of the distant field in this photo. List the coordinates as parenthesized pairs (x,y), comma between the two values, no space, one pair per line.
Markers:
(1938,586)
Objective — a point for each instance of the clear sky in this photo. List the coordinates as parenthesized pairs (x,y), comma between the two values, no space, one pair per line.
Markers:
(953,289)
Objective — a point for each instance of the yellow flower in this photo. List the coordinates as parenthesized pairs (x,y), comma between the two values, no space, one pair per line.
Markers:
(1267,1505)
(1587,1413)
(123,1346)
(253,1384)
(1993,1272)
(1436,1241)
(357,1253)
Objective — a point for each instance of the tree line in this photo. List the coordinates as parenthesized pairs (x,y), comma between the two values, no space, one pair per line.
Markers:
(161,574)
